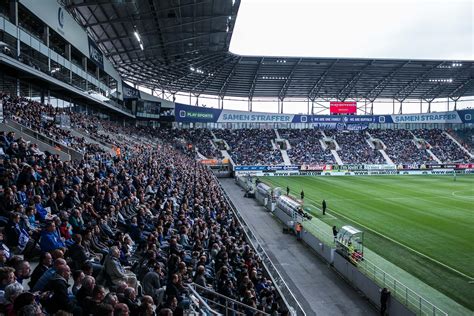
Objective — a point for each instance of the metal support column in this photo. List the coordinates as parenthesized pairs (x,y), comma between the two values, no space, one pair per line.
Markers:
(421,105)
(401,108)
(448,104)
(249,105)
(393,106)
(429,106)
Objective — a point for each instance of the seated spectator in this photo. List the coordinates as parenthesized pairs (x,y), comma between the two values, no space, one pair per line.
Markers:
(50,239)
(22,271)
(86,290)
(46,277)
(113,270)
(95,305)
(44,264)
(7,276)
(12,291)
(58,285)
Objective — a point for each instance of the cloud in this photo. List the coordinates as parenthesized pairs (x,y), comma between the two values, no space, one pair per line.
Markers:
(415,29)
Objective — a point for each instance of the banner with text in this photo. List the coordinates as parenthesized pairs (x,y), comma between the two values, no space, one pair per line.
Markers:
(188,113)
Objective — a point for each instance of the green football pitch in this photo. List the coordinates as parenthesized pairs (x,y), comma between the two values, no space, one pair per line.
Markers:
(423,224)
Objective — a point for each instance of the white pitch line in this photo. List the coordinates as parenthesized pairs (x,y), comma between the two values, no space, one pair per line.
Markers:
(403,245)
(322,211)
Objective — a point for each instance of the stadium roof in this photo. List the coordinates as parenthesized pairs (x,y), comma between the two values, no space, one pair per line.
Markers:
(186,49)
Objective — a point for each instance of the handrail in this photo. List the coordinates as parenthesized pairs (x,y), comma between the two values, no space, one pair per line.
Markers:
(194,286)
(37,135)
(403,293)
(201,300)
(294,308)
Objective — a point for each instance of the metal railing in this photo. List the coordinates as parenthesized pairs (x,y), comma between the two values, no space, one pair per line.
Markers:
(75,155)
(213,303)
(401,292)
(287,295)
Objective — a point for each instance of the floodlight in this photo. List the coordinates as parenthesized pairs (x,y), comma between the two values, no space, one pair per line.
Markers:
(137,36)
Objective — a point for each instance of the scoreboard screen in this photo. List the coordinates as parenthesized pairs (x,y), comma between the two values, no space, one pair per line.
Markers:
(343,107)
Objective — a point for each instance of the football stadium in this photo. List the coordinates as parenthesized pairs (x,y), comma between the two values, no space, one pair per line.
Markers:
(236,157)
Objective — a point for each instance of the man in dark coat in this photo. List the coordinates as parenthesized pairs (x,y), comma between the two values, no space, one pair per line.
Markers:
(58,286)
(324,207)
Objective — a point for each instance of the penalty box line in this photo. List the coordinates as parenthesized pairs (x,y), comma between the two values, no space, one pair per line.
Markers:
(470,279)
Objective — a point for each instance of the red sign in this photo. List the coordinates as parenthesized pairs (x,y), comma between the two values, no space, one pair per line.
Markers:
(343,107)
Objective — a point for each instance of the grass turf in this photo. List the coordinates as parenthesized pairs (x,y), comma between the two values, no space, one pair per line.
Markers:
(432,215)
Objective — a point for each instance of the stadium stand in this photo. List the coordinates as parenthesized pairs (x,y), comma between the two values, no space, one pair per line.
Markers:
(306,147)
(442,147)
(40,118)
(401,147)
(132,229)
(201,138)
(251,146)
(354,147)
(465,138)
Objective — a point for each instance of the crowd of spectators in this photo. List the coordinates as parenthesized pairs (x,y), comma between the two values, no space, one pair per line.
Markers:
(306,147)
(200,138)
(442,146)
(401,147)
(129,232)
(41,118)
(251,146)
(465,137)
(354,147)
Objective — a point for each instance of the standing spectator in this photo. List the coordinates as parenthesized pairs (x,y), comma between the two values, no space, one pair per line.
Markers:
(324,207)
(384,296)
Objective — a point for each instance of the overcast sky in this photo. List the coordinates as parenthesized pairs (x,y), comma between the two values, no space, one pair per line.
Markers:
(416,29)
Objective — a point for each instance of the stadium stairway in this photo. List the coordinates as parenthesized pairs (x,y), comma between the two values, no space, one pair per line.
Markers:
(386,157)
(286,159)
(277,133)
(433,156)
(457,143)
(213,135)
(226,155)
(44,143)
(336,157)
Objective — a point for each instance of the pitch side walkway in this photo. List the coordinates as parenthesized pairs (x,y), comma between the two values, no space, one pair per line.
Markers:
(317,287)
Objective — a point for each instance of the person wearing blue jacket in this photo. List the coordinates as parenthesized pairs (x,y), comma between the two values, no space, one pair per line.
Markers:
(50,239)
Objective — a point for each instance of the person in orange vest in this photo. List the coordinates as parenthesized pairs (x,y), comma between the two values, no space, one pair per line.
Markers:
(299,229)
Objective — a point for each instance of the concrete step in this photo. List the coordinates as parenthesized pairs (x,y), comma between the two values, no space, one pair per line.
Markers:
(336,157)
(388,160)
(286,159)
(433,156)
